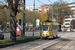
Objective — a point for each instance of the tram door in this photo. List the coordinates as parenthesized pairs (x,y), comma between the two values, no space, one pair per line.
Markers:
(50,30)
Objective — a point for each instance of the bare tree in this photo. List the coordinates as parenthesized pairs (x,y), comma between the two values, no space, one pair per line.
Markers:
(61,10)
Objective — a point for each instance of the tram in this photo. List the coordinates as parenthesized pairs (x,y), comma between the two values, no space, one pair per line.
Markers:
(48,29)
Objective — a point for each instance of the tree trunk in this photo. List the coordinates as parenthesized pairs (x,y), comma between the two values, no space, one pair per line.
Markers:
(13,12)
(13,27)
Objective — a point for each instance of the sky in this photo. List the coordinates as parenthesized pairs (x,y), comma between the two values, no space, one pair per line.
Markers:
(30,2)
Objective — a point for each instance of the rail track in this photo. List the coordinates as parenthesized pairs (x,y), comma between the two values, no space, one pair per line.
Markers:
(60,45)
(45,44)
(51,43)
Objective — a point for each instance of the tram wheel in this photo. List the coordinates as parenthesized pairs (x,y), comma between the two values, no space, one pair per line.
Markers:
(56,36)
(42,38)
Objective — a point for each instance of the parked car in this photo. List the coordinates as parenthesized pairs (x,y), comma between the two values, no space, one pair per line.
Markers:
(73,30)
(32,28)
(1,35)
(68,30)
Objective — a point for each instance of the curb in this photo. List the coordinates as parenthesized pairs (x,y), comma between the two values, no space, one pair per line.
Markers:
(23,41)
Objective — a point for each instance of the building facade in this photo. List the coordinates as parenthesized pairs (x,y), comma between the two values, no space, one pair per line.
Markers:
(40,8)
(46,7)
(67,22)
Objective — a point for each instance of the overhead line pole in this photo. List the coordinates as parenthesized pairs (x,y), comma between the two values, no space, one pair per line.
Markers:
(52,9)
(57,18)
(40,24)
(24,20)
(33,16)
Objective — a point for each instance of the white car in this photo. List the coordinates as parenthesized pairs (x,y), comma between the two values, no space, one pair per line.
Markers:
(68,30)
(74,30)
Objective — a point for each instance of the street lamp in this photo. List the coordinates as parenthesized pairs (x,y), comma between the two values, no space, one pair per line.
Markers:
(33,16)
(24,20)
(52,9)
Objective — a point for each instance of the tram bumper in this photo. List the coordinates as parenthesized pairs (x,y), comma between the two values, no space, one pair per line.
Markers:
(47,37)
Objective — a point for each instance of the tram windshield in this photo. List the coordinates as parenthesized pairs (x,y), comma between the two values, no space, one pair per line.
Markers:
(45,27)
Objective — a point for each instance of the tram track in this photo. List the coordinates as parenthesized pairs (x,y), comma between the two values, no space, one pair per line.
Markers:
(59,45)
(37,44)
(29,45)
(49,43)
(40,40)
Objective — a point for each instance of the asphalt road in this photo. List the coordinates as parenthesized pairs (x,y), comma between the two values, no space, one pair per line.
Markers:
(30,33)
(36,33)
(41,44)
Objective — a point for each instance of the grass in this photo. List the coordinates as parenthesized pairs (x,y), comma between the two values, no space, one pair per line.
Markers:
(8,41)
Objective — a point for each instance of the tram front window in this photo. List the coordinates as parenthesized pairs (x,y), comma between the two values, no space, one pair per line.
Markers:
(45,28)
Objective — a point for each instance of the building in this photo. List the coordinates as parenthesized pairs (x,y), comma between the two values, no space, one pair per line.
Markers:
(46,7)
(39,9)
(69,18)
(20,6)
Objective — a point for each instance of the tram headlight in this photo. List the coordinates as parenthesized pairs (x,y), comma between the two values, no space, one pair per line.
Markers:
(46,34)
(42,34)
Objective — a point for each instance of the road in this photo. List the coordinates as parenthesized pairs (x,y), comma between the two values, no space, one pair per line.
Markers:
(36,33)
(65,41)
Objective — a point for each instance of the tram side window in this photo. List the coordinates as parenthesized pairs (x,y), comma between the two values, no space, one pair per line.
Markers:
(51,27)
(45,27)
(54,27)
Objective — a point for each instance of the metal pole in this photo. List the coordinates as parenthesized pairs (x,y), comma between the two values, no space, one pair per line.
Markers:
(33,17)
(52,9)
(52,12)
(24,20)
(5,19)
(57,18)
(48,15)
(48,12)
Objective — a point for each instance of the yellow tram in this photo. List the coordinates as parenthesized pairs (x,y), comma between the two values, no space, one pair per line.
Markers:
(48,29)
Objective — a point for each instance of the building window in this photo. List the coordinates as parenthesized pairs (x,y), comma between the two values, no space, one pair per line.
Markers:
(67,17)
(67,24)
(67,27)
(67,20)
(72,16)
(36,9)
(39,10)
(29,10)
(30,7)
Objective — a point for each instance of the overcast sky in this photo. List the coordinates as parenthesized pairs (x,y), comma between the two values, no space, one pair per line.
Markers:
(30,2)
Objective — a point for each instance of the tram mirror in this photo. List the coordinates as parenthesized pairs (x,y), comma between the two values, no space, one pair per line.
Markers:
(49,29)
